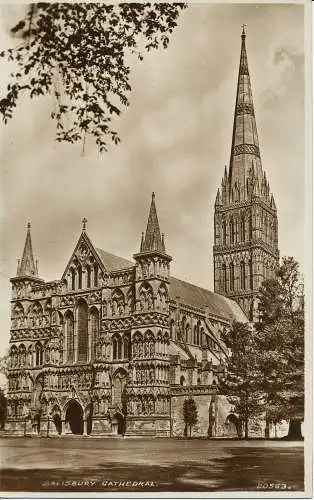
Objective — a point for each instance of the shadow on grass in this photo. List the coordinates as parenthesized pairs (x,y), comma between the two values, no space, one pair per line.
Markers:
(243,469)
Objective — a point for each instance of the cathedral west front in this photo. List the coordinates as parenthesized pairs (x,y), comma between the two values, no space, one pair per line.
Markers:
(114,346)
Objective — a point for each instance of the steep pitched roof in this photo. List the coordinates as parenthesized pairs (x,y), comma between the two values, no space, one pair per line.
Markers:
(113,262)
(196,296)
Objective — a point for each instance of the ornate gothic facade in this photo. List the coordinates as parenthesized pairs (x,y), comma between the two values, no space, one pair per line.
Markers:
(114,346)
(246,226)
(102,349)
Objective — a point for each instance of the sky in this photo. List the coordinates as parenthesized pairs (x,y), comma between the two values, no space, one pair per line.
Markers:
(176,139)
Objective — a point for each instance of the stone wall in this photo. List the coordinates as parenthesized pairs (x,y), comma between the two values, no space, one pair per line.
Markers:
(212,413)
(148,426)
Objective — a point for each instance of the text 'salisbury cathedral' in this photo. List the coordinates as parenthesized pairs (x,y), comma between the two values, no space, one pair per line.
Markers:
(115,346)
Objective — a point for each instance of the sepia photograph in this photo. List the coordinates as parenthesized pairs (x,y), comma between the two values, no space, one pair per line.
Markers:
(156,249)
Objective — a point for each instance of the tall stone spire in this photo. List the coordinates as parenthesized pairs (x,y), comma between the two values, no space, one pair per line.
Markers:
(152,242)
(27,267)
(246,226)
(245,152)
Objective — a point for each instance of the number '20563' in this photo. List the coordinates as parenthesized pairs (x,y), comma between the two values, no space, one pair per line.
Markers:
(264,485)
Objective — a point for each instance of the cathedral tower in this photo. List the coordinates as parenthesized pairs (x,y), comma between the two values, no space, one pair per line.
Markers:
(246,227)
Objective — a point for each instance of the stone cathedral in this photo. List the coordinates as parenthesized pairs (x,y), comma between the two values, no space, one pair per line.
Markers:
(114,346)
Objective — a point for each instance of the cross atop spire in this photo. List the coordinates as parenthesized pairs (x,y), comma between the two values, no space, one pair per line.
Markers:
(27,266)
(243,34)
(84,222)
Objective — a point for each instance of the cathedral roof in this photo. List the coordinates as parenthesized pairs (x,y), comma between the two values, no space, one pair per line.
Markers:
(196,296)
(113,262)
(185,292)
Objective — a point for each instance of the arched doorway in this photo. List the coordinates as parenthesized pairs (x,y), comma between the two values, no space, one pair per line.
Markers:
(74,417)
(58,423)
(236,426)
(119,423)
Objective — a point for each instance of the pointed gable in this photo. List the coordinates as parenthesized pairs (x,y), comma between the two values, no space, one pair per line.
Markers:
(84,253)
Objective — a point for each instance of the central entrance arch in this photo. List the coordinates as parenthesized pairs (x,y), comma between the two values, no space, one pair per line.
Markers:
(74,416)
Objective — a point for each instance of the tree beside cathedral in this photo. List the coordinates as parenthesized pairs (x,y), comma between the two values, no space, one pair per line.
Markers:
(240,380)
(265,370)
(280,343)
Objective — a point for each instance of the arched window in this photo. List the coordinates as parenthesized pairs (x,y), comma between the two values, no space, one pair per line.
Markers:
(82,331)
(195,335)
(88,277)
(116,347)
(224,233)
(250,228)
(79,271)
(266,229)
(231,268)
(69,335)
(38,354)
(202,337)
(242,275)
(94,326)
(242,228)
(73,279)
(188,334)
(251,274)
(126,347)
(231,230)
(198,334)
(172,330)
(224,277)
(182,331)
(95,275)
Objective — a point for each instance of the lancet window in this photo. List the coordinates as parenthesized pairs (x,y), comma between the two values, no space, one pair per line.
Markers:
(224,277)
(231,269)
(94,326)
(82,331)
(38,354)
(69,335)
(242,275)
